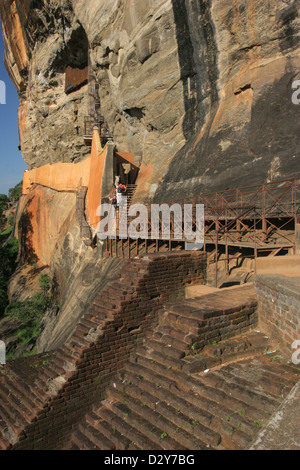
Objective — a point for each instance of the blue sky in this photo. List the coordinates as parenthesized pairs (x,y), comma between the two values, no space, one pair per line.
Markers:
(12,165)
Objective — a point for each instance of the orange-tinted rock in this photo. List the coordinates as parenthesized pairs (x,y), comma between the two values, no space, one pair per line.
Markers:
(200,91)
(43,215)
(13,18)
(97,163)
(59,176)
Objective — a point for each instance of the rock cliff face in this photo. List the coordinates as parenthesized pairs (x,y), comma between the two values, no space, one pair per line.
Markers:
(199,89)
(244,58)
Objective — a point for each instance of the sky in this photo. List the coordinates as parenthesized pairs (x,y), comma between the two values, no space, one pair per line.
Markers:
(12,165)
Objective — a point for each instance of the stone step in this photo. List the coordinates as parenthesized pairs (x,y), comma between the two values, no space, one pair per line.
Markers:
(142,440)
(221,406)
(163,379)
(206,411)
(181,429)
(168,351)
(27,391)
(282,369)
(264,381)
(180,322)
(177,334)
(4,443)
(176,410)
(134,413)
(205,391)
(157,357)
(242,390)
(82,442)
(168,340)
(120,442)
(16,411)
(13,429)
(224,352)
(97,438)
(23,395)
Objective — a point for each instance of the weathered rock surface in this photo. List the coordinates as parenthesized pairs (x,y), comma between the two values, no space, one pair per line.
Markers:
(246,123)
(201,90)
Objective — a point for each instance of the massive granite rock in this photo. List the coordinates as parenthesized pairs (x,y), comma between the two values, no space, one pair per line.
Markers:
(244,61)
(199,89)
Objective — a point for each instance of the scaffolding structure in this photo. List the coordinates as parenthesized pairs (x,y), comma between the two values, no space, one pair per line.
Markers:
(94,117)
(259,218)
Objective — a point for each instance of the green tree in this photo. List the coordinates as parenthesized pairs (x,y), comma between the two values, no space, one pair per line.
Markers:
(44,283)
(15,193)
(8,247)
(30,311)
(3,204)
(8,256)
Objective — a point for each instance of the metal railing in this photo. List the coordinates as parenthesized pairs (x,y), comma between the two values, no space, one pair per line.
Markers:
(258,217)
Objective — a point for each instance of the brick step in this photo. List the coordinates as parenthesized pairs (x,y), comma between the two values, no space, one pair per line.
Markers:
(288,372)
(82,442)
(156,357)
(156,432)
(163,378)
(40,391)
(242,390)
(71,352)
(175,409)
(50,372)
(264,381)
(181,323)
(238,344)
(4,443)
(65,359)
(209,413)
(16,410)
(177,334)
(88,323)
(181,430)
(57,362)
(161,367)
(13,418)
(225,352)
(26,391)
(168,340)
(77,341)
(97,438)
(120,442)
(167,351)
(202,362)
(183,384)
(142,440)
(23,395)
(194,310)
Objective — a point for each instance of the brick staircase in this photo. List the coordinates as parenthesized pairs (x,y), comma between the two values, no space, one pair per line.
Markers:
(42,398)
(130,192)
(146,368)
(190,386)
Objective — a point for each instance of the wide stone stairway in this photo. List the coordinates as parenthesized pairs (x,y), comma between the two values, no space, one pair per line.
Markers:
(204,378)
